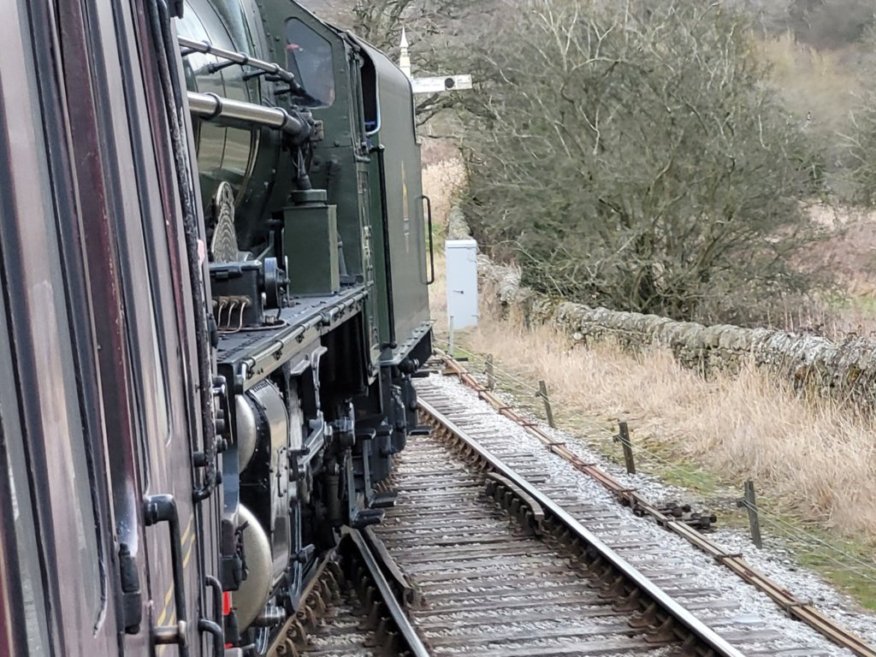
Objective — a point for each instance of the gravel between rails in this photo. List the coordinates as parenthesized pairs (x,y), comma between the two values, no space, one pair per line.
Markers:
(737,610)
(342,631)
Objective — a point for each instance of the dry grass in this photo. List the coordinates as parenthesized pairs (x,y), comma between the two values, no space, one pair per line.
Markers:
(442,183)
(821,87)
(812,456)
(849,254)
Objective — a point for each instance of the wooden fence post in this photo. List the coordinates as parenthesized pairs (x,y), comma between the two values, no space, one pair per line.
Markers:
(548,411)
(491,378)
(750,503)
(450,346)
(624,438)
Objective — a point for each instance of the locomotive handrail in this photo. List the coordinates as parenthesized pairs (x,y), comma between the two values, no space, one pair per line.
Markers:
(387,263)
(430,277)
(190,46)
(238,113)
(215,627)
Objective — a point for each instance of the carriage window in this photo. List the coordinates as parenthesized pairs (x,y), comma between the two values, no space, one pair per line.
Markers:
(309,57)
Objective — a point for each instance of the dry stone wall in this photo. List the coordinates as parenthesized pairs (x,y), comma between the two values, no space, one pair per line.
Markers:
(845,371)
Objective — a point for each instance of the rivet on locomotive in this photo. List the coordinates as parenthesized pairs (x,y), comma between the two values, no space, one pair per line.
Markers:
(306,220)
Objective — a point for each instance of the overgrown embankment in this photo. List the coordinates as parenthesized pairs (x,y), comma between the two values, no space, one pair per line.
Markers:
(733,401)
(843,371)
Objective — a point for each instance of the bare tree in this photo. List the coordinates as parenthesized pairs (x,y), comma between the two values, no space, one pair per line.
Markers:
(830,23)
(438,31)
(380,22)
(631,155)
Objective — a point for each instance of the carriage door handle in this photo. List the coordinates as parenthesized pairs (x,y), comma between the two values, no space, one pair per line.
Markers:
(162,508)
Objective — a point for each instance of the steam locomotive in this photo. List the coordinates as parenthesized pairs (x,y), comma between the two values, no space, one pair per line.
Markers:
(214,273)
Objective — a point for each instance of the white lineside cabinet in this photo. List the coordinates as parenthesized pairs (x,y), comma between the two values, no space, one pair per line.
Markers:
(462,283)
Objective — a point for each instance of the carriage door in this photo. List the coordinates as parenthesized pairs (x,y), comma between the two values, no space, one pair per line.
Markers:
(59,479)
(142,313)
(159,311)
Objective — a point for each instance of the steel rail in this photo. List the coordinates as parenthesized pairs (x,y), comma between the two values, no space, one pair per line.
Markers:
(793,606)
(415,645)
(406,592)
(324,583)
(669,605)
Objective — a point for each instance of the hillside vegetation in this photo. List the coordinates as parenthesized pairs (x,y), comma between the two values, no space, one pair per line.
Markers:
(672,156)
(637,160)
(663,162)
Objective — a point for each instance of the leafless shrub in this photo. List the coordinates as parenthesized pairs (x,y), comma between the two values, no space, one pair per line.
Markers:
(634,157)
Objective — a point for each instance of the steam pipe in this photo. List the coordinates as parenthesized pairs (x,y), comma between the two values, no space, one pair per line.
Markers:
(240,114)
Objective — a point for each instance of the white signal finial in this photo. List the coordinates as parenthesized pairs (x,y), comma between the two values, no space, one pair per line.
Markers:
(432,85)
(404,58)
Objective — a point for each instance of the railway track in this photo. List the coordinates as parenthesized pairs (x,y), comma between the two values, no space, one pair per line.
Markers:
(503,572)
(746,620)
(349,609)
(495,550)
(798,609)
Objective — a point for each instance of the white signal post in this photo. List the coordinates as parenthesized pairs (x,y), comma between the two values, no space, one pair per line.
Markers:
(429,85)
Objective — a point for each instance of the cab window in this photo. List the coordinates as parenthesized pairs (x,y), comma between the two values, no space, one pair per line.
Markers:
(309,57)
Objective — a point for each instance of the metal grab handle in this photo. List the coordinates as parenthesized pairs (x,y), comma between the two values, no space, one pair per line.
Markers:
(387,262)
(162,508)
(215,627)
(215,630)
(431,277)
